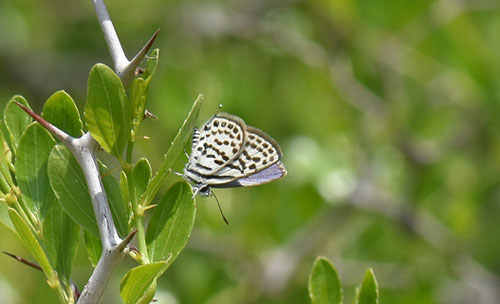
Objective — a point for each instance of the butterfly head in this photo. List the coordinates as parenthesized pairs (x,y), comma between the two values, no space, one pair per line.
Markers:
(203,190)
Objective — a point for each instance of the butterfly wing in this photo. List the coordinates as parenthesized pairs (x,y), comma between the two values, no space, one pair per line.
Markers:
(217,143)
(257,163)
(266,175)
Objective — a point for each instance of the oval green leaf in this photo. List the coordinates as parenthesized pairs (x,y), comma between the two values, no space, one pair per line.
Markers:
(176,147)
(31,167)
(106,111)
(138,280)
(68,183)
(61,236)
(324,284)
(367,293)
(61,111)
(171,223)
(15,120)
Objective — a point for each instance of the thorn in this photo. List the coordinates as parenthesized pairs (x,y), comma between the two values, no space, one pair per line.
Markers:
(76,291)
(24,261)
(149,207)
(35,116)
(61,135)
(151,41)
(127,240)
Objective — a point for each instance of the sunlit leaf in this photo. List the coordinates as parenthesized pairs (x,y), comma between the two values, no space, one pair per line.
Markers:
(61,111)
(138,280)
(106,110)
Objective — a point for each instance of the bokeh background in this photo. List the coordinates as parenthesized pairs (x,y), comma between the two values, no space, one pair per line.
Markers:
(387,113)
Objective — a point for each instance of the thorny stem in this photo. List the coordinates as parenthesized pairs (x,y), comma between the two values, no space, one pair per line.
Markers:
(84,150)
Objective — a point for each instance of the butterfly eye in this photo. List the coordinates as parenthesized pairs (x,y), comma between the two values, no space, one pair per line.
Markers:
(204,190)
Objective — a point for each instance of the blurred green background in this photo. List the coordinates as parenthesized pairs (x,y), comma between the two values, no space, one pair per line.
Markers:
(385,110)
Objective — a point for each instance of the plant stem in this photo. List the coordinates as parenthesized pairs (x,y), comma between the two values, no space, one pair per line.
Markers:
(138,216)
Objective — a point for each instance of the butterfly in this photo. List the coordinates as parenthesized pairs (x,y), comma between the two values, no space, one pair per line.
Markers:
(227,153)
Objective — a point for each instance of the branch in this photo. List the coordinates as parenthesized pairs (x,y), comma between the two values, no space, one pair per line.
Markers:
(84,150)
(124,68)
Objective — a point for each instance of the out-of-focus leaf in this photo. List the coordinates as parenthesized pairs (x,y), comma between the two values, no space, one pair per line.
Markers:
(61,111)
(367,292)
(68,182)
(31,167)
(106,110)
(16,120)
(61,236)
(138,280)
(324,284)
(185,133)
(118,207)
(93,246)
(30,241)
(171,223)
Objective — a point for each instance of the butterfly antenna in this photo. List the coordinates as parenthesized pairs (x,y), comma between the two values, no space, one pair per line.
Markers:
(220,209)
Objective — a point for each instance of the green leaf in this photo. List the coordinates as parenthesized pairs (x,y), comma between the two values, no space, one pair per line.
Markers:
(324,284)
(138,281)
(138,98)
(139,89)
(30,241)
(142,175)
(16,120)
(6,181)
(4,216)
(68,183)
(106,111)
(31,167)
(367,292)
(61,237)
(176,147)
(93,246)
(61,111)
(171,223)
(151,64)
(119,208)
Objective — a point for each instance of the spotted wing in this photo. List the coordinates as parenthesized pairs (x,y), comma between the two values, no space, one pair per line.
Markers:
(217,143)
(259,153)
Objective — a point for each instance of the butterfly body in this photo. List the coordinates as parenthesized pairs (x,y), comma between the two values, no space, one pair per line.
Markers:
(228,153)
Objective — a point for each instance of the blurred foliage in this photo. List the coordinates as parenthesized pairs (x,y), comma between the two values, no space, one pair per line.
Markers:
(385,111)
